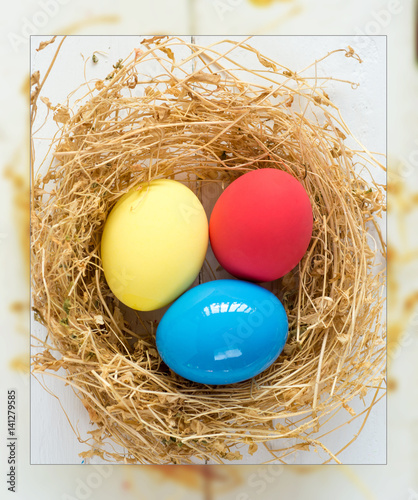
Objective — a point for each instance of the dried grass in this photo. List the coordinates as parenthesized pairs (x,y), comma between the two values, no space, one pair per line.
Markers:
(200,120)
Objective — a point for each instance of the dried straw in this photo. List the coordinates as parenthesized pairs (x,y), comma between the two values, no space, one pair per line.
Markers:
(207,119)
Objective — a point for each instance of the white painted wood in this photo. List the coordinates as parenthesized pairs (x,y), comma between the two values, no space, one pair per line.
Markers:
(398,480)
(296,17)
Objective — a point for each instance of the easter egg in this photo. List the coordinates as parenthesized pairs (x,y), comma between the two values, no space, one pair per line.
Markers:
(261,225)
(222,332)
(154,243)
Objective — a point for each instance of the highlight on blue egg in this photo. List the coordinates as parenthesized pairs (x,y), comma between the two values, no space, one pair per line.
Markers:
(222,332)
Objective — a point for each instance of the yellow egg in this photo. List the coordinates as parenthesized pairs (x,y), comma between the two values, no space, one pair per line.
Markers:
(154,243)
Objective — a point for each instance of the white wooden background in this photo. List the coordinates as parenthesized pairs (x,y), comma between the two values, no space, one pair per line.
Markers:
(364,110)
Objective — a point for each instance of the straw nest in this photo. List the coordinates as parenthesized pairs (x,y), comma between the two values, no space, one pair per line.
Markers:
(206,118)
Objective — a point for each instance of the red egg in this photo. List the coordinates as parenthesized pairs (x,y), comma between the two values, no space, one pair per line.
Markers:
(261,225)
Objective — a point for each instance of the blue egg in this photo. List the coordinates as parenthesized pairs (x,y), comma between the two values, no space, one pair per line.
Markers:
(222,332)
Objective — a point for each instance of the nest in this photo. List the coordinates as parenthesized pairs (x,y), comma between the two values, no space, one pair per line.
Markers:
(206,119)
